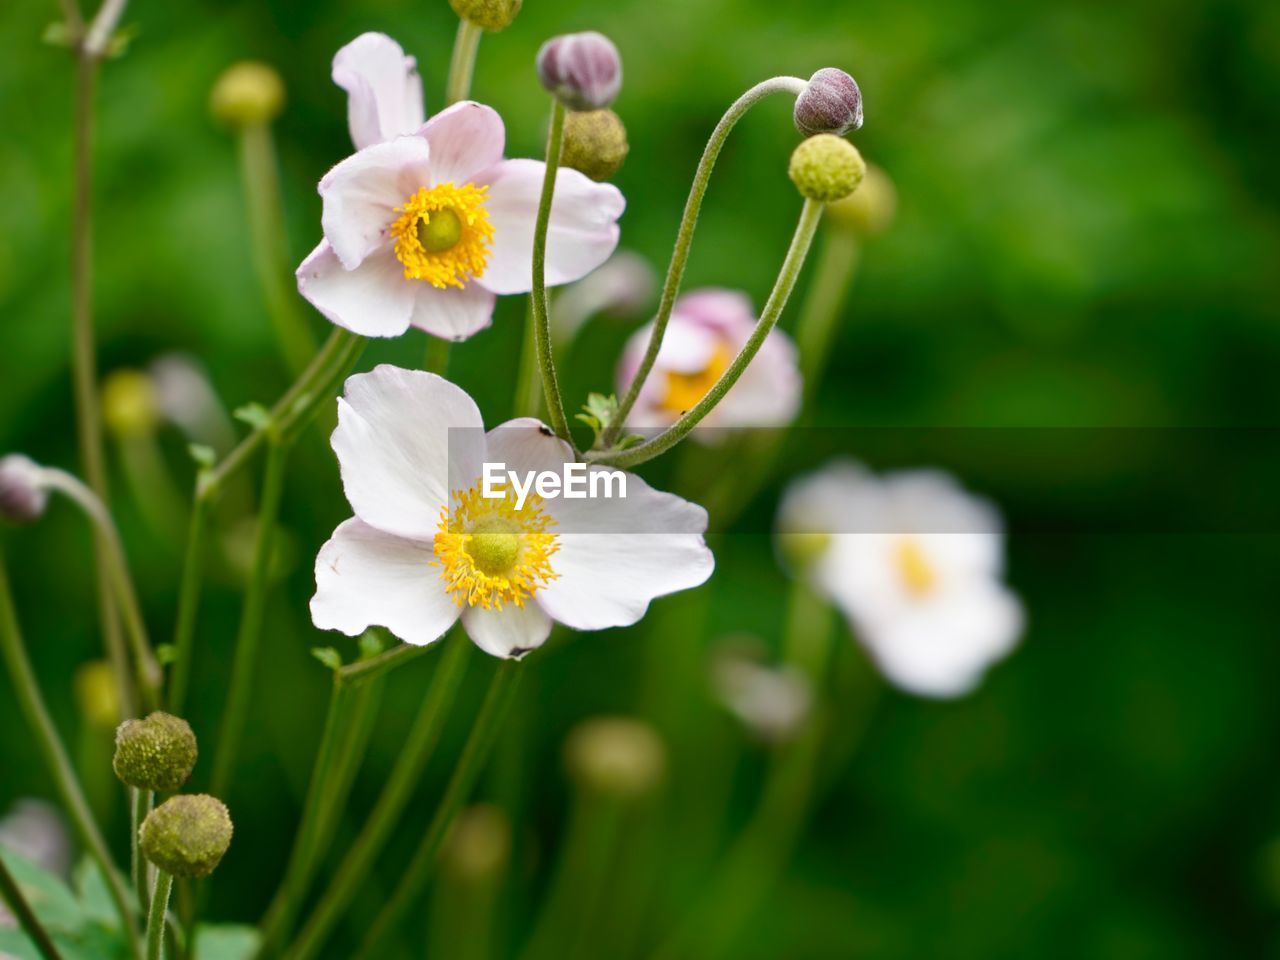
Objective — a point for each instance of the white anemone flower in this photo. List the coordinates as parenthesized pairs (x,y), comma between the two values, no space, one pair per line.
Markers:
(706,330)
(427,223)
(426,546)
(915,562)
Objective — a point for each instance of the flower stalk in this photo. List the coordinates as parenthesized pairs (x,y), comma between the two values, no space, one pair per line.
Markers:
(538,298)
(810,216)
(684,238)
(140,803)
(32,706)
(156,913)
(475,753)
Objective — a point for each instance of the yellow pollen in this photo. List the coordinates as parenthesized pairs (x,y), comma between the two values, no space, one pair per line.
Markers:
(443,234)
(914,568)
(492,554)
(684,390)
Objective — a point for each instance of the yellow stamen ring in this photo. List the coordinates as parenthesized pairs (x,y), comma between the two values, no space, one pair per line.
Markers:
(443,234)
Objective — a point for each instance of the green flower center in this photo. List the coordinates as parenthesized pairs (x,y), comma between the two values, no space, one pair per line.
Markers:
(439,231)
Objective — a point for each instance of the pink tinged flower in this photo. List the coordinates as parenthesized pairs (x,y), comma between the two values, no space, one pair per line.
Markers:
(915,563)
(426,547)
(384,90)
(426,230)
(706,331)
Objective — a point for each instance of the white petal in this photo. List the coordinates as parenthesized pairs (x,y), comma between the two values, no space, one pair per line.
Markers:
(405,438)
(373,300)
(510,632)
(384,90)
(454,313)
(367,578)
(582,234)
(828,500)
(465,139)
(362,192)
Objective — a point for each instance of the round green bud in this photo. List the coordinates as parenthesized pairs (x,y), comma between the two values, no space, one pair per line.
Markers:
(868,210)
(247,93)
(187,835)
(129,403)
(826,168)
(491,15)
(479,844)
(157,753)
(595,142)
(615,756)
(97,697)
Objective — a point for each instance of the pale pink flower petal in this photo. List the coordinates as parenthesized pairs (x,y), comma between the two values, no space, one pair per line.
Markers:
(510,632)
(373,300)
(452,313)
(367,578)
(384,90)
(583,231)
(465,139)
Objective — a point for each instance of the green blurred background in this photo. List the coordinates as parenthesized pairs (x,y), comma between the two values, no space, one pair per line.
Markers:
(1088,236)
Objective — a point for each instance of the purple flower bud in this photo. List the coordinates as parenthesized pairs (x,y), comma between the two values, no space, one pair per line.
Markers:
(22,494)
(581,70)
(830,103)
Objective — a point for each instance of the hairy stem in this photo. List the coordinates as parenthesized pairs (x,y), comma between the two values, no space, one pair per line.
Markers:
(538,298)
(156,915)
(462,65)
(684,237)
(810,215)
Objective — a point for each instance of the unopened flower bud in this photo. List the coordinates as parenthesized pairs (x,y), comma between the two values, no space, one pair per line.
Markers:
(830,103)
(129,403)
(595,142)
(491,15)
(826,168)
(247,93)
(581,70)
(480,844)
(869,209)
(187,835)
(157,753)
(96,693)
(616,756)
(23,496)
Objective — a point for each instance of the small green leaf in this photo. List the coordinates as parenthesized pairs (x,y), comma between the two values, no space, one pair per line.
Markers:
(95,897)
(56,34)
(46,894)
(166,654)
(630,440)
(371,644)
(227,941)
(255,415)
(204,456)
(330,657)
(120,40)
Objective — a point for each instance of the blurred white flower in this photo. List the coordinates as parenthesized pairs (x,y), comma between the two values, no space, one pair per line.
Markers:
(771,702)
(623,286)
(915,563)
(35,831)
(426,545)
(187,399)
(705,333)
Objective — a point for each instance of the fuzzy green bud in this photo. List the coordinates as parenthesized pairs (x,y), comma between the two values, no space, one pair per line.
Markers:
(616,756)
(868,210)
(23,496)
(187,835)
(595,142)
(479,845)
(247,93)
(157,753)
(491,15)
(826,168)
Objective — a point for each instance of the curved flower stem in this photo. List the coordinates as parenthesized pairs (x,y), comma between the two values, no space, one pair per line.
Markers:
(462,65)
(527,400)
(188,605)
(11,894)
(267,243)
(156,915)
(363,671)
(538,298)
(484,732)
(684,237)
(140,802)
(412,759)
(147,670)
(32,706)
(250,634)
(833,275)
(803,237)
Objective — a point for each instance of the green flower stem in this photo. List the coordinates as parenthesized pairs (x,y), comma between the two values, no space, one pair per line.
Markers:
(423,737)
(267,242)
(527,401)
(810,216)
(363,671)
(140,803)
(474,755)
(291,413)
(244,665)
(833,275)
(188,606)
(684,237)
(27,920)
(32,706)
(156,915)
(147,670)
(462,65)
(437,356)
(538,298)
